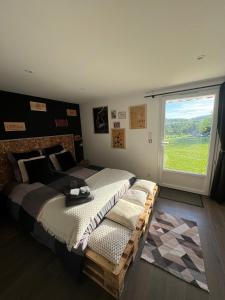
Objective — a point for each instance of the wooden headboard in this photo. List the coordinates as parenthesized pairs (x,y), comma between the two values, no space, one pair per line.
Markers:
(28,144)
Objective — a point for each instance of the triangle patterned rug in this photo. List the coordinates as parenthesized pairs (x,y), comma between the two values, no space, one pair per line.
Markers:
(173,244)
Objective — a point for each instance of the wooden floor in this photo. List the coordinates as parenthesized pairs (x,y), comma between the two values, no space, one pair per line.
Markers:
(28,270)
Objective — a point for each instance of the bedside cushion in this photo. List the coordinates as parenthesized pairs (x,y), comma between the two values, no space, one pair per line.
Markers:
(66,160)
(23,170)
(38,170)
(136,197)
(144,185)
(125,213)
(15,157)
(109,239)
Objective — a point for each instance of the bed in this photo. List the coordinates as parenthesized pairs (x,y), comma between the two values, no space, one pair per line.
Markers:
(40,207)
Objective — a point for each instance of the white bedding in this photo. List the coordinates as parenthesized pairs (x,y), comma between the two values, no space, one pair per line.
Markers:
(68,224)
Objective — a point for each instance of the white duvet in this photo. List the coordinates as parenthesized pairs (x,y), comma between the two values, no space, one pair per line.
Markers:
(68,224)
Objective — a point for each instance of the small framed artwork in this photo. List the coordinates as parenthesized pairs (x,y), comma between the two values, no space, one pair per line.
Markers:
(38,106)
(61,122)
(15,126)
(121,115)
(71,112)
(113,114)
(101,123)
(116,124)
(138,118)
(118,138)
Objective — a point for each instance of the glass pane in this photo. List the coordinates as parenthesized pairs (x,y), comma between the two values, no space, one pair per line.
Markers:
(187,134)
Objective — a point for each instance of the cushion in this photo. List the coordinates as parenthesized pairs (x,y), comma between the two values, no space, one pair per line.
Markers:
(53,149)
(109,239)
(136,197)
(125,213)
(23,170)
(144,185)
(38,170)
(54,161)
(66,160)
(14,157)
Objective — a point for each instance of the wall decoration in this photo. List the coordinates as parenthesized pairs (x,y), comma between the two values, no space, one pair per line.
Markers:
(71,112)
(15,126)
(118,138)
(138,117)
(121,115)
(116,124)
(77,137)
(113,114)
(61,122)
(100,115)
(16,107)
(38,106)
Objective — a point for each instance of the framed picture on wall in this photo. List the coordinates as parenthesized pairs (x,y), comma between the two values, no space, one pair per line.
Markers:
(116,124)
(122,115)
(113,114)
(101,123)
(138,117)
(118,138)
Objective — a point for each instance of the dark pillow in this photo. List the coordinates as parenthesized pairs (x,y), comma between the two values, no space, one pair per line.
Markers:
(66,160)
(38,170)
(52,149)
(14,157)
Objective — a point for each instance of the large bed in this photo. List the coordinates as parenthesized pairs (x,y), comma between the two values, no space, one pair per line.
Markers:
(41,207)
(65,230)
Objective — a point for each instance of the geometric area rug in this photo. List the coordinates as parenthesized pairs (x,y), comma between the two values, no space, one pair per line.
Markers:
(173,244)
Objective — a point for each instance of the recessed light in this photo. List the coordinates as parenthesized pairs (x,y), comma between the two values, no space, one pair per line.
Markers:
(28,71)
(200,57)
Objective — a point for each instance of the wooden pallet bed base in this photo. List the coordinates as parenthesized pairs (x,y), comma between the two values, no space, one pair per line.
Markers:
(109,276)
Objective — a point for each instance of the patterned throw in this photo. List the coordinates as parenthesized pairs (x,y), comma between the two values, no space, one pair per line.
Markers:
(173,244)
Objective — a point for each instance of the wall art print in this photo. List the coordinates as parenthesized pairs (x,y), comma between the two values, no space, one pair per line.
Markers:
(113,114)
(101,123)
(116,124)
(138,118)
(122,115)
(118,138)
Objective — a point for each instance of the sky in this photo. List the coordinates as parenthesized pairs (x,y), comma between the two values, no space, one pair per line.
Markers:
(189,108)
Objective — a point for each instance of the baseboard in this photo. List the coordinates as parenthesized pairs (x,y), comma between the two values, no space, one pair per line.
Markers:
(196,191)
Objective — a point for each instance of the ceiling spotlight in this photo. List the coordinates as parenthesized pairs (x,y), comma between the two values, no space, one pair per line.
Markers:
(28,71)
(200,57)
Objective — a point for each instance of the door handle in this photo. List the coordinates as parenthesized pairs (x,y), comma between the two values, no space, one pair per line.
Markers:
(164,143)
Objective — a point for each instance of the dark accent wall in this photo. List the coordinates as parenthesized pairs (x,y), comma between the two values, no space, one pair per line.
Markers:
(16,108)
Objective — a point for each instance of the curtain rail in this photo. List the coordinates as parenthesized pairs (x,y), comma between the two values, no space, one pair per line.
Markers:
(185,90)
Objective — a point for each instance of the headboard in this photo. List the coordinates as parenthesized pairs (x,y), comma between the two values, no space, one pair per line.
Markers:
(28,144)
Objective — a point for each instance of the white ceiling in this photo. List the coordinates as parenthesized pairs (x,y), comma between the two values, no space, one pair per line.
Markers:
(94,49)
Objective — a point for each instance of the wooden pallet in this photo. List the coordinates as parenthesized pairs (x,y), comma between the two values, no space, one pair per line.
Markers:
(105,273)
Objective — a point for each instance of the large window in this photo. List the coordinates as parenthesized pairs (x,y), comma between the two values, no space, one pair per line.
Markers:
(187,130)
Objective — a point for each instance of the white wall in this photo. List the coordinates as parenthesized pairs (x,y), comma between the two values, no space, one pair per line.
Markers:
(139,157)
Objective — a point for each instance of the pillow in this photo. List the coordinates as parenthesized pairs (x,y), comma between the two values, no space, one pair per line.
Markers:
(14,157)
(144,185)
(23,172)
(53,149)
(38,170)
(54,161)
(136,197)
(65,160)
(125,213)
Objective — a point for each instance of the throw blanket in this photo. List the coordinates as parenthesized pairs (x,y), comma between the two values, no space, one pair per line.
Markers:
(73,225)
(45,204)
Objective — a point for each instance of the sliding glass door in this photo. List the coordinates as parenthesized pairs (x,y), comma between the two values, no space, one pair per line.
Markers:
(187,140)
